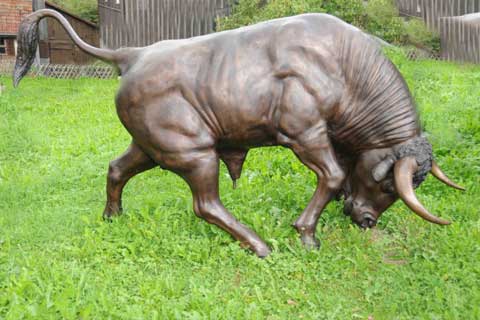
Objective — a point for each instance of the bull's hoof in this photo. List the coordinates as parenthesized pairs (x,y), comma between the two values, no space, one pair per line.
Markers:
(106,217)
(310,242)
(110,213)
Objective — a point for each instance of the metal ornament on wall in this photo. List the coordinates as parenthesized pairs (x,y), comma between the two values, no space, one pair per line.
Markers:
(311,83)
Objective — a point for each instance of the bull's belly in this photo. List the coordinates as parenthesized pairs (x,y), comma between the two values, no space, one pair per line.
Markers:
(249,138)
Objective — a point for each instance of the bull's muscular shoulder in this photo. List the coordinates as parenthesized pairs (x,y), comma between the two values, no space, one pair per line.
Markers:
(306,47)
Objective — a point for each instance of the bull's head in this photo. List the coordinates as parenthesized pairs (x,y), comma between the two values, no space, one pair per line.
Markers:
(381,176)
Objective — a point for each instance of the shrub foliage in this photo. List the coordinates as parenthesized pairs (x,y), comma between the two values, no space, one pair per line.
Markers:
(378,17)
(86,9)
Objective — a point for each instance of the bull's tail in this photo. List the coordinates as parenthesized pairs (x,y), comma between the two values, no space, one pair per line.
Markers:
(28,41)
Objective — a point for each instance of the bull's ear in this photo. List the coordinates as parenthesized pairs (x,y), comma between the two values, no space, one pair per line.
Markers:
(380,171)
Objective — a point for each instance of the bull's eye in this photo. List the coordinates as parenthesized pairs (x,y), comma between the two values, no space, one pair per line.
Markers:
(387,186)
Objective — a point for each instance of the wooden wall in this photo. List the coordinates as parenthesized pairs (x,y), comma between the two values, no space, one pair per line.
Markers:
(432,10)
(412,8)
(436,9)
(59,48)
(460,38)
(143,22)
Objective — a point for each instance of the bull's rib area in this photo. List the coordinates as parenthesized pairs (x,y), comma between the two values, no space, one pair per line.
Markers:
(201,98)
(376,109)
(204,111)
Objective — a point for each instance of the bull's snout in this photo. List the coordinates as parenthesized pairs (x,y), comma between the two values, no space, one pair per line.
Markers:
(367,220)
(363,216)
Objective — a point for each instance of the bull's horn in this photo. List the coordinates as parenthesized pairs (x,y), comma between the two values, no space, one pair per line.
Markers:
(437,173)
(404,170)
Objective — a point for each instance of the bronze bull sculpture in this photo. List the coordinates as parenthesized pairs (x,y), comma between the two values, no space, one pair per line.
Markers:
(311,83)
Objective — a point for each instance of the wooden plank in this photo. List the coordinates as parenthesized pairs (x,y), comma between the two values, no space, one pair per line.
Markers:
(148,21)
(476,36)
(177,19)
(133,23)
(162,22)
(168,18)
(155,24)
(475,48)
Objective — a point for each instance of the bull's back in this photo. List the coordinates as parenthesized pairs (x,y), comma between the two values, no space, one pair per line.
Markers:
(235,79)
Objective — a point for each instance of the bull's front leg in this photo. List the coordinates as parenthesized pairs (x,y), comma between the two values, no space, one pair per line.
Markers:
(313,148)
(329,181)
(303,129)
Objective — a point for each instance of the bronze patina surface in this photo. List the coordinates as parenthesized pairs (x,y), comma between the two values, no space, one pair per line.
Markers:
(311,83)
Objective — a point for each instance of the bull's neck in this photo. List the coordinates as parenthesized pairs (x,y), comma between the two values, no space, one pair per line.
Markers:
(376,109)
(380,122)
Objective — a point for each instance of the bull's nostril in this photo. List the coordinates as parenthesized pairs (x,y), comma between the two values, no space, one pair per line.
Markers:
(371,223)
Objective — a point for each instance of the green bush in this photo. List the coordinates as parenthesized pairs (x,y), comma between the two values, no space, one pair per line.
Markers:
(86,9)
(383,21)
(351,11)
(378,17)
(420,36)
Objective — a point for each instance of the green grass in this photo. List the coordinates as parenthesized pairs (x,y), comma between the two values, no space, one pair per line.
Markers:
(58,259)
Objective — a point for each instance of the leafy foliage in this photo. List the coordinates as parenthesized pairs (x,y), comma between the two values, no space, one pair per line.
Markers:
(58,259)
(86,9)
(378,17)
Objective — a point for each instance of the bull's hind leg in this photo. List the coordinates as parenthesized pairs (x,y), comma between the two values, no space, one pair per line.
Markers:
(120,170)
(203,181)
(176,136)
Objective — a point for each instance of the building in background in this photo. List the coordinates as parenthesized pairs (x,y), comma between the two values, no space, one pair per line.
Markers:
(135,23)
(11,13)
(55,46)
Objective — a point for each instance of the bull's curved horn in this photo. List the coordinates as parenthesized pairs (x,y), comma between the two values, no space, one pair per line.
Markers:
(437,173)
(403,171)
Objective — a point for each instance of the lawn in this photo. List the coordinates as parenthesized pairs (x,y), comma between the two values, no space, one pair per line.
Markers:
(60,260)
